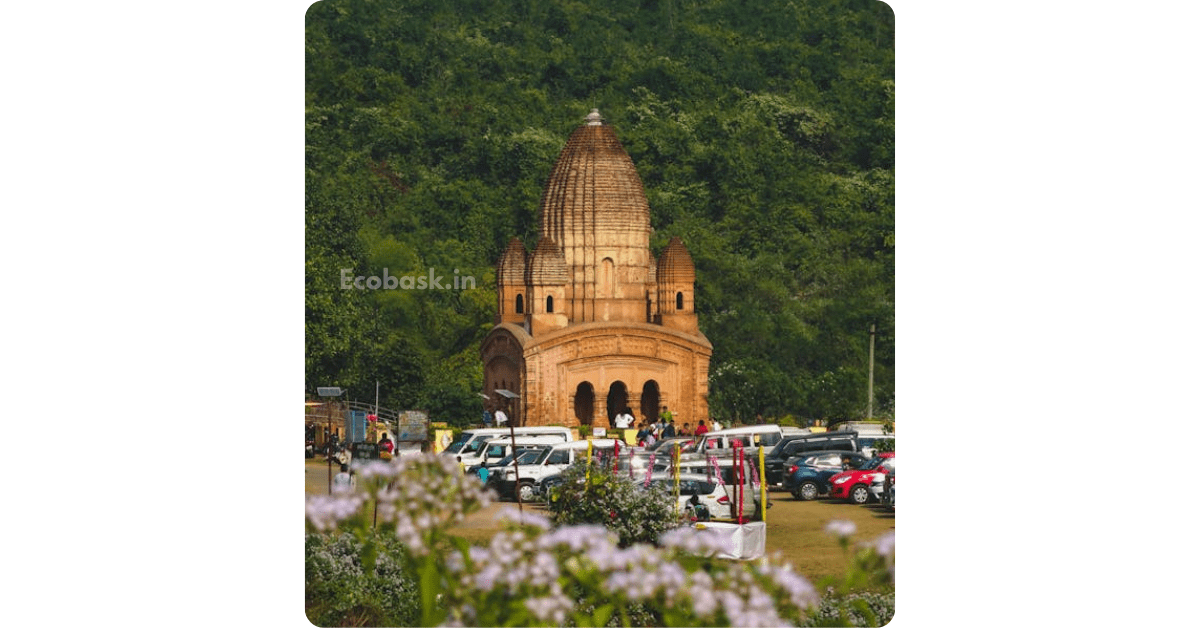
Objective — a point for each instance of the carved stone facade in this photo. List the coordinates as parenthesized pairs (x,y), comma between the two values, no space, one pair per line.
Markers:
(590,322)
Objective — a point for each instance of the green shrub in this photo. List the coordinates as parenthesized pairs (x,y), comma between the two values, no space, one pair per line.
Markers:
(596,495)
(849,611)
(339,590)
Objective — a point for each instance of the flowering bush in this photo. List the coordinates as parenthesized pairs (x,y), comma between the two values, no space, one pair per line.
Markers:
(849,610)
(595,495)
(339,589)
(532,574)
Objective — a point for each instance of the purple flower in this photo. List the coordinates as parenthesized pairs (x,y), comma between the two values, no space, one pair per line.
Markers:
(840,527)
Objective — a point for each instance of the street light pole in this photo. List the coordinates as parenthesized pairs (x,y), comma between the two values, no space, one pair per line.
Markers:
(329,392)
(871,376)
(508,396)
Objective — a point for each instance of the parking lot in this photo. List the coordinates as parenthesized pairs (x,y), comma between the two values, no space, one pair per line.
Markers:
(796,529)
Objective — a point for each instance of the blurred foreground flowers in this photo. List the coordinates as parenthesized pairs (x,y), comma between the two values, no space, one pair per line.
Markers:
(389,537)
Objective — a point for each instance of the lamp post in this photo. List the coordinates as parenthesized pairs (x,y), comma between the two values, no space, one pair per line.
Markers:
(508,394)
(871,376)
(331,391)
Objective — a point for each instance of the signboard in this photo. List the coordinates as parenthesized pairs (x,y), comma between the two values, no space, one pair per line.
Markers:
(356,425)
(442,440)
(412,425)
(364,451)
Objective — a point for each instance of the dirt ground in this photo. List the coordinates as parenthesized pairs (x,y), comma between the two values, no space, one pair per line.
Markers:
(795,529)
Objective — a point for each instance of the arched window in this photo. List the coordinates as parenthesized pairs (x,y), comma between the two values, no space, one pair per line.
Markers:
(606,278)
(520,304)
(679,300)
(550,305)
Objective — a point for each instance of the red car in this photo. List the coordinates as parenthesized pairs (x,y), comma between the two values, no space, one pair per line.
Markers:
(854,485)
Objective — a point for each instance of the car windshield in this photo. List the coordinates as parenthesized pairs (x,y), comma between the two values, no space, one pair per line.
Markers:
(523,452)
(455,447)
(530,456)
(876,462)
(666,445)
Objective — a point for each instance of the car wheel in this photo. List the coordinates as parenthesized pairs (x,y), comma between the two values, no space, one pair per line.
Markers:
(808,491)
(526,492)
(859,494)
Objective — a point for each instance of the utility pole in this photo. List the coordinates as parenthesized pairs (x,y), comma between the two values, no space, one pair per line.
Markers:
(871,376)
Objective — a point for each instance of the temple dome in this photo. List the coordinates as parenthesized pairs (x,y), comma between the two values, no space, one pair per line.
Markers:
(594,189)
(675,264)
(511,269)
(547,266)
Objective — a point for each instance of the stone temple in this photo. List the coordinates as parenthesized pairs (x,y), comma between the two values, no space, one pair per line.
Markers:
(590,322)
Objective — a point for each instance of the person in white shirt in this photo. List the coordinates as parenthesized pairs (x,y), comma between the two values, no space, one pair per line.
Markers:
(343,481)
(501,418)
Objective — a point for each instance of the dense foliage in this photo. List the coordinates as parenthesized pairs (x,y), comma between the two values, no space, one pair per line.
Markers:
(593,494)
(762,130)
(388,537)
(339,589)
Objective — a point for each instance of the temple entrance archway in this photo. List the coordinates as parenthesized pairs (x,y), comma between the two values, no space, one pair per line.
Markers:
(650,398)
(585,402)
(618,399)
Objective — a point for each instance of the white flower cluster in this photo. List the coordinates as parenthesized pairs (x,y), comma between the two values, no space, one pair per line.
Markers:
(417,493)
(800,591)
(530,563)
(325,511)
(840,527)
(885,544)
(694,541)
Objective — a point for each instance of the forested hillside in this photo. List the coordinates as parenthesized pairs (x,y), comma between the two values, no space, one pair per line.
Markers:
(762,130)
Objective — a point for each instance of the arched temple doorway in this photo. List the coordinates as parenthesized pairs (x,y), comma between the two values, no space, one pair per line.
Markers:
(650,397)
(585,402)
(618,398)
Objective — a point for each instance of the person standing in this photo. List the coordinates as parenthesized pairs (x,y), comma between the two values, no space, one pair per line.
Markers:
(669,430)
(701,429)
(487,418)
(501,418)
(341,481)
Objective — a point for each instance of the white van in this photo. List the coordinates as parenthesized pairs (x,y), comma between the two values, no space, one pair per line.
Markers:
(751,436)
(552,461)
(468,447)
(496,449)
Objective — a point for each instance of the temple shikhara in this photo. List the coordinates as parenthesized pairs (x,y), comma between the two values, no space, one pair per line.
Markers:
(589,322)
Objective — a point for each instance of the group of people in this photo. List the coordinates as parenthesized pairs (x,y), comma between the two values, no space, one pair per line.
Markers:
(650,433)
(500,419)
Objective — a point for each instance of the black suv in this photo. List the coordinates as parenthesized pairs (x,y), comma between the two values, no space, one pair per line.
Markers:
(792,446)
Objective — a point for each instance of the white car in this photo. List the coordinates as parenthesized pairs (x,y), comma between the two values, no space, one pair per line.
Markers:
(551,461)
(717,496)
(714,496)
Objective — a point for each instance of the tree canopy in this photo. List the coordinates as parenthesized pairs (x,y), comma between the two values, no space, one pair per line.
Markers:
(762,130)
